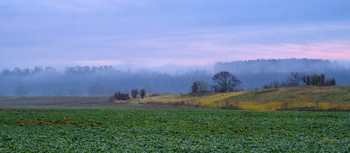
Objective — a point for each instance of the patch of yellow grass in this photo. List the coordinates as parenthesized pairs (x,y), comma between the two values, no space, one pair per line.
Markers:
(202,101)
(300,104)
(221,100)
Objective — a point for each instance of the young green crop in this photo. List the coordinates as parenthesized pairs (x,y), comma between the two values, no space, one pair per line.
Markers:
(199,130)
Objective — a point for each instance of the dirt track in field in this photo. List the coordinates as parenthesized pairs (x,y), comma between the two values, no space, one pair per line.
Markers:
(76,102)
(56,101)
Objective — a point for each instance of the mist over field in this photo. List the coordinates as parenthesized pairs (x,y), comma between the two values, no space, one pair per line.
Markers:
(106,80)
(93,81)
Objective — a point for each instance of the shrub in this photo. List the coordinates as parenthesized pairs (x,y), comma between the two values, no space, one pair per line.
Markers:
(121,96)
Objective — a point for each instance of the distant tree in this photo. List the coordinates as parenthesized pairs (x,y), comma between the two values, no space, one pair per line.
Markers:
(37,69)
(50,69)
(96,90)
(330,82)
(214,88)
(298,79)
(225,81)
(21,91)
(46,93)
(294,79)
(274,84)
(75,92)
(194,87)
(309,79)
(322,79)
(268,86)
(121,96)
(71,92)
(58,92)
(6,72)
(142,93)
(134,93)
(317,80)
(199,87)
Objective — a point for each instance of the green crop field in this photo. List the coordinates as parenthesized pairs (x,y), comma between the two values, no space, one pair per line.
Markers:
(170,130)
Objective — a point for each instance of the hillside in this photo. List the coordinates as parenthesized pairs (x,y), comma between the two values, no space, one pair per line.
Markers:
(336,98)
(334,94)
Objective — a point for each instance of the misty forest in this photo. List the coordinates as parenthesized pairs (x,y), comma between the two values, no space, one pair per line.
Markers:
(106,80)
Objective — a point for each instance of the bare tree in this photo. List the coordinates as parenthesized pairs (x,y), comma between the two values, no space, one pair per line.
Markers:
(134,93)
(194,87)
(75,92)
(330,82)
(317,80)
(97,90)
(225,81)
(199,87)
(294,79)
(142,93)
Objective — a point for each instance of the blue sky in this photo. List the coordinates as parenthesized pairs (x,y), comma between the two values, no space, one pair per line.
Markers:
(159,33)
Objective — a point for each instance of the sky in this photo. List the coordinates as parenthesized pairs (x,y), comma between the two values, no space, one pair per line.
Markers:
(168,33)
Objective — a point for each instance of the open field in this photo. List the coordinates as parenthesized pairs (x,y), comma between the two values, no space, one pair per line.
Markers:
(191,130)
(166,123)
(74,102)
(54,101)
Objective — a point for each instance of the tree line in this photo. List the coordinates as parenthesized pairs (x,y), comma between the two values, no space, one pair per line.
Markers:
(226,82)
(125,96)
(91,81)
(302,79)
(221,82)
(77,70)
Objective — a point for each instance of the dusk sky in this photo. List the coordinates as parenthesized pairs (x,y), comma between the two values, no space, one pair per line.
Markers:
(153,33)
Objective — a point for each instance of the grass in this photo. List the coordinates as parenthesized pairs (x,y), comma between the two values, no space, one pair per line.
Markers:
(9,98)
(156,124)
(335,98)
(207,100)
(335,94)
(36,101)
(199,130)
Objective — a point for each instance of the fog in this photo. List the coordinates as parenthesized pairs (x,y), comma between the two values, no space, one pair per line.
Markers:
(106,80)
(257,73)
(93,81)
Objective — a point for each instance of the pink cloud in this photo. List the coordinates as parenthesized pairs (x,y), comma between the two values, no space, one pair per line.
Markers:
(158,62)
(207,53)
(98,62)
(332,51)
